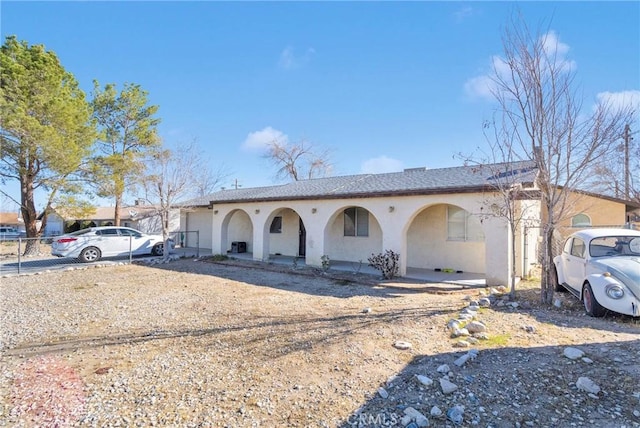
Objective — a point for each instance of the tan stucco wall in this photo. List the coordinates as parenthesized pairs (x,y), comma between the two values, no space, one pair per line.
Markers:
(430,226)
(285,243)
(353,248)
(240,229)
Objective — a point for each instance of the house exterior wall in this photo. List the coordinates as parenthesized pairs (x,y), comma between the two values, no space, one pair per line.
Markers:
(200,220)
(352,248)
(389,224)
(286,242)
(430,226)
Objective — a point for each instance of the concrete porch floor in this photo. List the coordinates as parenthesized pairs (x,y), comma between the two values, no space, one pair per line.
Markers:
(466,279)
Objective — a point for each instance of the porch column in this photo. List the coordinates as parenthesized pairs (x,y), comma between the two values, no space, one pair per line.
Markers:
(393,238)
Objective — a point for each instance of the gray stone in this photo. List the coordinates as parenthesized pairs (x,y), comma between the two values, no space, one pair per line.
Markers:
(447,386)
(476,327)
(426,381)
(402,345)
(587,385)
(573,353)
(383,393)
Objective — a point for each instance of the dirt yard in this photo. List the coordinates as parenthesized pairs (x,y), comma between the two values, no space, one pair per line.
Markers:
(195,343)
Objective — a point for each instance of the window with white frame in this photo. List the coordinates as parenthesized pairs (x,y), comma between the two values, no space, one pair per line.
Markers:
(356,222)
(276,225)
(462,226)
(580,220)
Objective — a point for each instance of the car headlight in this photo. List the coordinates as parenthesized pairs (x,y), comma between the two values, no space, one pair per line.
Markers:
(614,291)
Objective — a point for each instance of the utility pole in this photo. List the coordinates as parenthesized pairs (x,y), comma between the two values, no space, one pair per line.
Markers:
(627,139)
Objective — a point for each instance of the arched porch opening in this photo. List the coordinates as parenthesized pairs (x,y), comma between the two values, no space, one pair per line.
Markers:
(446,237)
(236,227)
(352,234)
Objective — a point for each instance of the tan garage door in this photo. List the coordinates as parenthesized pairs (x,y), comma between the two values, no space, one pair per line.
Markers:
(201,221)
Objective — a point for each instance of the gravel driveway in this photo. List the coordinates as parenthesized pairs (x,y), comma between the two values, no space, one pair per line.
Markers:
(195,343)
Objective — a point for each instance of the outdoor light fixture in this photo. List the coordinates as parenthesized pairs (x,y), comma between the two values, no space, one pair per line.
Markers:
(313,210)
(215,211)
(257,211)
(391,208)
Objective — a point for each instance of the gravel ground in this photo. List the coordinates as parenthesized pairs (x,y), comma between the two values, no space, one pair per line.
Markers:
(195,343)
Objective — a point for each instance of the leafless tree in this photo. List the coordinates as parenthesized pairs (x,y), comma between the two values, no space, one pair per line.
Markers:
(298,161)
(511,180)
(174,175)
(541,111)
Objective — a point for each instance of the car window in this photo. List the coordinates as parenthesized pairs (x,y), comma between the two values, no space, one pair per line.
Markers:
(567,246)
(107,232)
(607,246)
(130,232)
(578,247)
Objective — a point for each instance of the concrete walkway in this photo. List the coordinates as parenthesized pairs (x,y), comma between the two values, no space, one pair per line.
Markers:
(466,279)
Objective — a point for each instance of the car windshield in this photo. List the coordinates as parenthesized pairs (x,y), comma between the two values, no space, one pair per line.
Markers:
(607,246)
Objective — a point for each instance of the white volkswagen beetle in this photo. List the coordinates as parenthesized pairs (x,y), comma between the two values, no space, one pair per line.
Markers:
(601,267)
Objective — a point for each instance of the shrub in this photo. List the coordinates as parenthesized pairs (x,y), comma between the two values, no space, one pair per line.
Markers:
(219,257)
(326,263)
(386,262)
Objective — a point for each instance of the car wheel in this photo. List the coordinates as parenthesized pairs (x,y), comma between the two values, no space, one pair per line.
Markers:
(556,284)
(90,254)
(158,250)
(591,305)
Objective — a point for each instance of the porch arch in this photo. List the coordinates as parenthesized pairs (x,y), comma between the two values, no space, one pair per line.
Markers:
(430,245)
(352,248)
(236,226)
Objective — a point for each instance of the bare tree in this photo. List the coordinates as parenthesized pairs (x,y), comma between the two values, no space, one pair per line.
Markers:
(298,161)
(173,175)
(511,179)
(535,89)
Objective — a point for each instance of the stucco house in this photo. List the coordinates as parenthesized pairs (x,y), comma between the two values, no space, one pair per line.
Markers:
(434,218)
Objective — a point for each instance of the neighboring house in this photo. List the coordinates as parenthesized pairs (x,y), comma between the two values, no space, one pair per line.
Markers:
(434,218)
(12,220)
(141,217)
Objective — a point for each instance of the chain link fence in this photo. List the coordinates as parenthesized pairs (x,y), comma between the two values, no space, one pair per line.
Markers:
(35,255)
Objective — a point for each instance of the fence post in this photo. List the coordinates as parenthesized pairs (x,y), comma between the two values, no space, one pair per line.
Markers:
(130,255)
(19,254)
(197,243)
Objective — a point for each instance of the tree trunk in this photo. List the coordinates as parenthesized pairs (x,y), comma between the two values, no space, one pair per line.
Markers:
(547,286)
(116,214)
(30,217)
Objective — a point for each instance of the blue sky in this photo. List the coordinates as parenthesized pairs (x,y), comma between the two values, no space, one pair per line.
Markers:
(382,85)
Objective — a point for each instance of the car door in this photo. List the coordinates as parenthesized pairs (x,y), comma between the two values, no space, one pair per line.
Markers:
(138,243)
(111,243)
(574,263)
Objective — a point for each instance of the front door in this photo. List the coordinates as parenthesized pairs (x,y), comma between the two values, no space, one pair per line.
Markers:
(302,240)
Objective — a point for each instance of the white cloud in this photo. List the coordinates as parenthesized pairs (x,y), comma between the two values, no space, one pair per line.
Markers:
(620,100)
(463,14)
(380,165)
(258,140)
(483,86)
(289,60)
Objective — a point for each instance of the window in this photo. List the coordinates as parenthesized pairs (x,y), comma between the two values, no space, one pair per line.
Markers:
(581,220)
(129,232)
(578,247)
(276,225)
(356,222)
(107,232)
(462,226)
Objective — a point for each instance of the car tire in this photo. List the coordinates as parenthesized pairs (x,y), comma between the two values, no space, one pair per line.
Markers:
(90,254)
(556,283)
(590,302)
(157,250)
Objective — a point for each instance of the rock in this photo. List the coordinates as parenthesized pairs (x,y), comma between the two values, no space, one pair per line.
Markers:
(420,419)
(461,344)
(460,332)
(456,414)
(484,302)
(529,328)
(453,325)
(447,386)
(383,393)
(587,360)
(462,360)
(424,380)
(444,368)
(587,385)
(366,311)
(402,345)
(436,412)
(557,303)
(573,353)
(476,327)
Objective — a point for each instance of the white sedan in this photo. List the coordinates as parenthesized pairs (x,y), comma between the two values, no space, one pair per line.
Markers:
(601,267)
(89,245)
